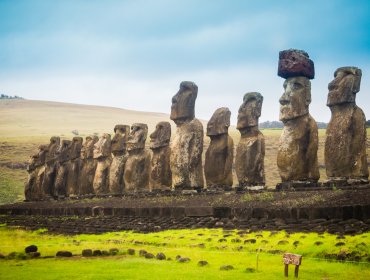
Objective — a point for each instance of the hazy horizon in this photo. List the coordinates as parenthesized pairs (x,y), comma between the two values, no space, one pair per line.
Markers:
(134,54)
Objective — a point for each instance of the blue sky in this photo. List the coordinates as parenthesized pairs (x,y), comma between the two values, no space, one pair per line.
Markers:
(134,54)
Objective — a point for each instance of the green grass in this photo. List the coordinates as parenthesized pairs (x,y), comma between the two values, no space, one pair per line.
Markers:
(216,246)
(12,184)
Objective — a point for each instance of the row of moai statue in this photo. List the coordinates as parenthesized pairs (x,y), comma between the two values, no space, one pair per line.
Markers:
(123,164)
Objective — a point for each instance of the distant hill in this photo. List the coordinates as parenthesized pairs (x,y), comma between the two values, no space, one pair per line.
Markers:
(20,117)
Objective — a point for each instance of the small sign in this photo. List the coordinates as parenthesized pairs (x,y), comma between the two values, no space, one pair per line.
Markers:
(289,258)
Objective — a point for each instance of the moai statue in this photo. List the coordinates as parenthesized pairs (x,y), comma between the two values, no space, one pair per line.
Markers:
(36,162)
(102,153)
(297,152)
(250,153)
(220,153)
(50,167)
(116,182)
(187,145)
(345,146)
(88,168)
(60,186)
(74,167)
(161,175)
(137,167)
(38,192)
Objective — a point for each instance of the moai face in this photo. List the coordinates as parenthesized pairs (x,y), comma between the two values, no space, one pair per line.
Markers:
(250,111)
(345,85)
(161,135)
(183,103)
(53,148)
(76,147)
(43,149)
(121,133)
(296,98)
(137,137)
(102,148)
(64,151)
(219,122)
(87,150)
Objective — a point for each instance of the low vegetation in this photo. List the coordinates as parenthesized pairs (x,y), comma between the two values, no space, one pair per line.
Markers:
(183,254)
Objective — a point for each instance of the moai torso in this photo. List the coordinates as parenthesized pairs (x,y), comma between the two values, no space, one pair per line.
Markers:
(187,145)
(137,166)
(32,189)
(74,167)
(50,167)
(161,175)
(116,182)
(250,152)
(298,144)
(219,155)
(345,146)
(63,153)
(88,168)
(102,153)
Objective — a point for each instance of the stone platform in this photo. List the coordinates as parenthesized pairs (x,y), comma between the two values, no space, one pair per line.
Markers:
(343,211)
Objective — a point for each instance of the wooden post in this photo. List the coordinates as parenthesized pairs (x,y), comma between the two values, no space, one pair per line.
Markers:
(296,271)
(288,259)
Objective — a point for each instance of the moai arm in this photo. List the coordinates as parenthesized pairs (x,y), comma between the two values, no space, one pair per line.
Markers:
(230,156)
(196,147)
(360,167)
(311,155)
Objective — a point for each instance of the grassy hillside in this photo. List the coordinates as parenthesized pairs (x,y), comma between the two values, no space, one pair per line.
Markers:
(24,124)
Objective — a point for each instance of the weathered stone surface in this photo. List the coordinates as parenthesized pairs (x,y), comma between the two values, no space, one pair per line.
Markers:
(345,146)
(220,153)
(35,169)
(74,166)
(250,152)
(298,144)
(293,63)
(102,153)
(88,168)
(116,182)
(62,169)
(161,175)
(187,145)
(137,167)
(50,167)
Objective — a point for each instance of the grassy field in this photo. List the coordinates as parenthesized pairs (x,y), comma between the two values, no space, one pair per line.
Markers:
(217,247)
(24,124)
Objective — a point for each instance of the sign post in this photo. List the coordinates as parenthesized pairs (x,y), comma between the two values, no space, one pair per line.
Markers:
(288,259)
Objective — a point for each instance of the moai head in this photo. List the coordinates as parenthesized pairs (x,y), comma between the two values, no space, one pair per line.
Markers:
(43,149)
(76,147)
(250,111)
(87,150)
(296,67)
(102,148)
(345,85)
(161,135)
(219,122)
(64,150)
(137,137)
(121,133)
(183,103)
(53,148)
